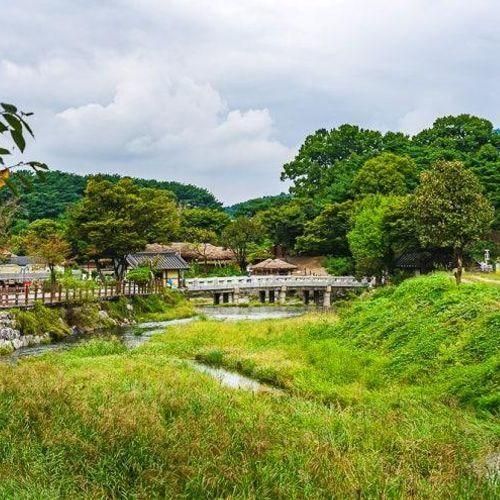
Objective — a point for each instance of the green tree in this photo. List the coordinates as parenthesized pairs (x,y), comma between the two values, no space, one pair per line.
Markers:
(44,240)
(284,224)
(328,160)
(115,219)
(386,174)
(370,239)
(326,234)
(240,236)
(207,219)
(450,210)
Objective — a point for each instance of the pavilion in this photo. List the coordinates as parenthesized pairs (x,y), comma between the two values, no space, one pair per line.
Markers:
(273,266)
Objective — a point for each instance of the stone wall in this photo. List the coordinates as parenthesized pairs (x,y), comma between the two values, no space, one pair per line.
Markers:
(12,339)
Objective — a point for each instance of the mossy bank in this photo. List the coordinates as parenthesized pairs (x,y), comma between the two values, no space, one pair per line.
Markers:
(20,328)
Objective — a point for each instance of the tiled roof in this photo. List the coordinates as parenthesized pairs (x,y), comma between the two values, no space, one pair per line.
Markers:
(158,260)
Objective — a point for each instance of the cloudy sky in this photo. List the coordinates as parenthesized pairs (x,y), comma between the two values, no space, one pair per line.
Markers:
(221,93)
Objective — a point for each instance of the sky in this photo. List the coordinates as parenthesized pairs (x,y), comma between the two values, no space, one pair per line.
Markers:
(221,93)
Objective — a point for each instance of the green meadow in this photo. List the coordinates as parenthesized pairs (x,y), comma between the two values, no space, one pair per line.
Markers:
(394,396)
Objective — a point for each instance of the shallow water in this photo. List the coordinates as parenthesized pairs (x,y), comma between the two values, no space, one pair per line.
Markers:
(251,313)
(135,335)
(232,379)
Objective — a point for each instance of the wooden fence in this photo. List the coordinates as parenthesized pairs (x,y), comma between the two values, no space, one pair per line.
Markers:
(26,295)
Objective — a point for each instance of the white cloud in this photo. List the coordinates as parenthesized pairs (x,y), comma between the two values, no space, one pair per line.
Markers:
(220,93)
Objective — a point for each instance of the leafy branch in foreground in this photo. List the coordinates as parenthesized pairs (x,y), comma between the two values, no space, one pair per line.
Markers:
(13,123)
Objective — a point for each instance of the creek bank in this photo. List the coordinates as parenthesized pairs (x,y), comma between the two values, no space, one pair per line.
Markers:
(12,339)
(41,325)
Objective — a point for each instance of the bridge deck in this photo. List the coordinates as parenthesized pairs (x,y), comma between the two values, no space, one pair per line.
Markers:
(266,282)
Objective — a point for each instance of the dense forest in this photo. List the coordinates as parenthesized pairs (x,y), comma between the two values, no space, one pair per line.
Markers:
(49,194)
(361,198)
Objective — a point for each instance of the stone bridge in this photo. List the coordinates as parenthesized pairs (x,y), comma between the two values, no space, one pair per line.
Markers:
(274,288)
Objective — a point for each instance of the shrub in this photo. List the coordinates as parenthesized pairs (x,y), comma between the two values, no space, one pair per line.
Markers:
(41,320)
(339,266)
(140,275)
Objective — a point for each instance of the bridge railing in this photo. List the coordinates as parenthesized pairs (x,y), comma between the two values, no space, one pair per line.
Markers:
(26,295)
(195,284)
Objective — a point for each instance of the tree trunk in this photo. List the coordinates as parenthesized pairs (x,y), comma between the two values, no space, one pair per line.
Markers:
(458,265)
(52,274)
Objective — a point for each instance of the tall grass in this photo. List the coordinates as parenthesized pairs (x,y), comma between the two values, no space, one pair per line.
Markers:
(360,418)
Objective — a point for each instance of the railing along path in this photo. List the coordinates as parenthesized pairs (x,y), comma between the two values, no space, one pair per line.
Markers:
(27,295)
(256,282)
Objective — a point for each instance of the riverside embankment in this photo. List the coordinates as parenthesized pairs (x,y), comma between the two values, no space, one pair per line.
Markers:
(66,323)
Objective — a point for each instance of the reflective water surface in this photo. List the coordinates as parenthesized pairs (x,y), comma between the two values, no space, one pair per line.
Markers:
(232,379)
(135,335)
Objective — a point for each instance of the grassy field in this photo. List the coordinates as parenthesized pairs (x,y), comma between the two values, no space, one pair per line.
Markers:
(396,397)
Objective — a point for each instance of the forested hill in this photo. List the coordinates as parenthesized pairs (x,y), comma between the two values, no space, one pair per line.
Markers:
(250,207)
(49,195)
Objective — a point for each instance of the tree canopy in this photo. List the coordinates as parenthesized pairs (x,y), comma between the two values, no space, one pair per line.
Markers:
(240,236)
(49,195)
(115,219)
(44,239)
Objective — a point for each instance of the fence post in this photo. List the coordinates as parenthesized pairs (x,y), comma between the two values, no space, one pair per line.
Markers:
(26,294)
(16,296)
(59,293)
(52,293)
(36,291)
(66,294)
(43,294)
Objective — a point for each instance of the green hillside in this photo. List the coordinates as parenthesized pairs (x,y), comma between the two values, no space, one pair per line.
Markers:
(49,195)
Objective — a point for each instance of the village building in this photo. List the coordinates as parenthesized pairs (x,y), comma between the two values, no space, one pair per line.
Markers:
(206,254)
(20,269)
(169,266)
(272,266)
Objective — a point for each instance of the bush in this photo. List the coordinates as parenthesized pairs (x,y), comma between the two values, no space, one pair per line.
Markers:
(41,320)
(339,266)
(140,275)
(86,317)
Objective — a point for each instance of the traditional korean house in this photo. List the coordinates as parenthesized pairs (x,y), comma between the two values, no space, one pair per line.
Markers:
(210,256)
(424,261)
(169,266)
(21,269)
(273,266)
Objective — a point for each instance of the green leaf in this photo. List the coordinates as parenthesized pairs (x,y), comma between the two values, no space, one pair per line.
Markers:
(3,128)
(18,138)
(13,121)
(27,127)
(10,108)
(4,151)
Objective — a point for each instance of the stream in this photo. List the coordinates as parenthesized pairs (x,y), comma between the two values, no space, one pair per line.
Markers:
(135,335)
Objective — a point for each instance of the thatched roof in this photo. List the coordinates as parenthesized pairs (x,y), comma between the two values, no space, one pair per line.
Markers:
(194,251)
(273,265)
